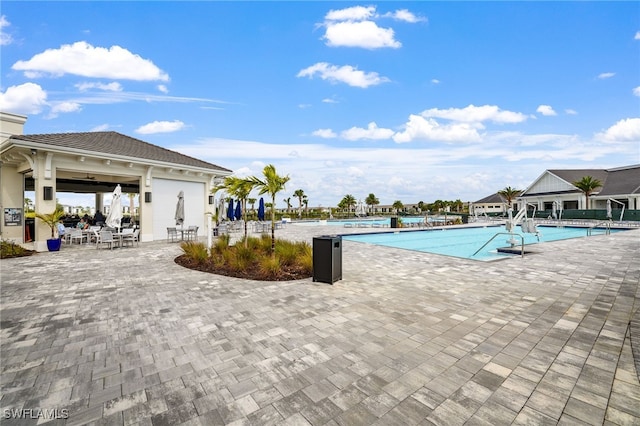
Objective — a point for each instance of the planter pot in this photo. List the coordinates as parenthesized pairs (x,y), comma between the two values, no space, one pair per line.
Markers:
(54,244)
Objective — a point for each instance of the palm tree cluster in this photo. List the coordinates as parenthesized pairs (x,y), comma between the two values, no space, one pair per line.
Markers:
(271,183)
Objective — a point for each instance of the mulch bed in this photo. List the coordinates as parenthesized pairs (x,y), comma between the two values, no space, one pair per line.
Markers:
(253,272)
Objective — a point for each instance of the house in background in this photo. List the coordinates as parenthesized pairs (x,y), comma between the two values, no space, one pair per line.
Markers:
(493,204)
(555,186)
(95,163)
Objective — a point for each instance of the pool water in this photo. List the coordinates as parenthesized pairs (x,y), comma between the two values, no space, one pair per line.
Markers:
(464,242)
(385,222)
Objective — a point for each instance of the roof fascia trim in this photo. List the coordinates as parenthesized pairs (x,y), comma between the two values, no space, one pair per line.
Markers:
(143,161)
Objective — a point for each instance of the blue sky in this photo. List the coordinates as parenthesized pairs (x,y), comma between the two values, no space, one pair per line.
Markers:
(411,101)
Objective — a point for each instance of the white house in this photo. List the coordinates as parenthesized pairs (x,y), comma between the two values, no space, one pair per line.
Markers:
(555,186)
(95,162)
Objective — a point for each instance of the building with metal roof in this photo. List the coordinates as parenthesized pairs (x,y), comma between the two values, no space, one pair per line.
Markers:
(556,186)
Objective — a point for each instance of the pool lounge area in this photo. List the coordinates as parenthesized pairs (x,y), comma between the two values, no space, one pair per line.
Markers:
(404,338)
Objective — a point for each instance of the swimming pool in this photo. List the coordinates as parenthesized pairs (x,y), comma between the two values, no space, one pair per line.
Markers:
(367,222)
(464,242)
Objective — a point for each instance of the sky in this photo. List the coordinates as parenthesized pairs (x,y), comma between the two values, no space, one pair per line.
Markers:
(410,101)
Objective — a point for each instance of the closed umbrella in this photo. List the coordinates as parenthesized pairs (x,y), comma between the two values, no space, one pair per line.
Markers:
(179,216)
(609,211)
(261,209)
(222,209)
(238,212)
(115,212)
(230,209)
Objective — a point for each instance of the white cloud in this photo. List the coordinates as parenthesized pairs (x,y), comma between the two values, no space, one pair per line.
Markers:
(405,15)
(626,130)
(435,81)
(365,34)
(344,74)
(355,13)
(160,127)
(100,128)
(637,36)
(606,75)
(304,106)
(162,88)
(371,132)
(27,98)
(355,171)
(329,101)
(474,114)
(546,110)
(636,91)
(64,107)
(5,39)
(85,60)
(421,128)
(324,133)
(570,111)
(109,87)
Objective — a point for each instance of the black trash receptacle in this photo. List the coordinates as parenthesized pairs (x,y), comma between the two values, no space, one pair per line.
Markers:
(394,222)
(327,259)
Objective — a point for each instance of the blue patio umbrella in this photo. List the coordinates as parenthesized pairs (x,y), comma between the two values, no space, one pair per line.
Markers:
(238,213)
(261,209)
(230,209)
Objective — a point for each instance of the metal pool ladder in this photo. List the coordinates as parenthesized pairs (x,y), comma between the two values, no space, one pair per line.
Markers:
(607,228)
(504,233)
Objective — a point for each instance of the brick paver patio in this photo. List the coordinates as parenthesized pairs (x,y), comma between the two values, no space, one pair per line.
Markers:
(129,337)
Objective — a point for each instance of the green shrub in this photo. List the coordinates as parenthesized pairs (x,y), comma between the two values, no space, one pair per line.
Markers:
(195,250)
(10,249)
(255,260)
(270,266)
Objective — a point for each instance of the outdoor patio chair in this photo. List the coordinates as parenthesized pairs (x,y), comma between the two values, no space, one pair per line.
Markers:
(172,235)
(191,233)
(130,236)
(106,237)
(77,235)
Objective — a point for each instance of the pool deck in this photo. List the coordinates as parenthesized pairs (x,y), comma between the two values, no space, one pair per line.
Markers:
(405,338)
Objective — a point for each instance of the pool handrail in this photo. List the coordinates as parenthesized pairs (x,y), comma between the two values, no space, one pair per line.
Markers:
(504,233)
(607,227)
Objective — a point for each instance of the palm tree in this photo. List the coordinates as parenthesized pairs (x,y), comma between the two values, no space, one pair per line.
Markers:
(509,194)
(252,201)
(347,202)
(271,184)
(52,219)
(305,201)
(397,205)
(299,194)
(371,201)
(240,189)
(28,204)
(587,185)
(287,201)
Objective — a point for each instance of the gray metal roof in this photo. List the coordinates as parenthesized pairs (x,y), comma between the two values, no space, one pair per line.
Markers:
(622,181)
(574,175)
(617,181)
(114,143)
(493,199)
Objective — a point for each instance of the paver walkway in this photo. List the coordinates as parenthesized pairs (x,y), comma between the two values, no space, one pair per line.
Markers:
(129,337)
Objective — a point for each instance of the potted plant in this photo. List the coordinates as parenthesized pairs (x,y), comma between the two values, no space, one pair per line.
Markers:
(52,219)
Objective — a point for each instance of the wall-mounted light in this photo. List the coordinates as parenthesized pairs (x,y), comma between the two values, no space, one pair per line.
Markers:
(34,151)
(47,193)
(147,197)
(211,199)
